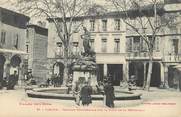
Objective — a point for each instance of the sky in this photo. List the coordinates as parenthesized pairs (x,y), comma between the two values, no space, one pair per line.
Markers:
(9,4)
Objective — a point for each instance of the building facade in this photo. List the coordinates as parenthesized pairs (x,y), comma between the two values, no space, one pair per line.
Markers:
(36,46)
(12,43)
(166,53)
(120,52)
(107,40)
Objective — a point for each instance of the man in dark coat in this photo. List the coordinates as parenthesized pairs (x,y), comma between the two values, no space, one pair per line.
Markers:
(55,80)
(16,76)
(109,93)
(48,82)
(86,92)
(12,81)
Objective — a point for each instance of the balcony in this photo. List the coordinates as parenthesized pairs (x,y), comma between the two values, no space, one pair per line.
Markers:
(142,56)
(172,58)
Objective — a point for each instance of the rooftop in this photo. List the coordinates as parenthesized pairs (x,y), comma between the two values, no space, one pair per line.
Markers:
(39,29)
(132,13)
(13,18)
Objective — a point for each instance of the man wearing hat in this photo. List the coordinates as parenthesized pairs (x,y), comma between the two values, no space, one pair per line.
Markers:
(109,93)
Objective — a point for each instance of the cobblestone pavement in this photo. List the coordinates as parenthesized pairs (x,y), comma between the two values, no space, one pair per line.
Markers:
(155,103)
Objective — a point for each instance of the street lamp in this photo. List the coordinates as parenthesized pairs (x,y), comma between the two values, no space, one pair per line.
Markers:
(75,44)
(59,50)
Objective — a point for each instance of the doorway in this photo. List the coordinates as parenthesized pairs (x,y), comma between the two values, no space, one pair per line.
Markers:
(116,73)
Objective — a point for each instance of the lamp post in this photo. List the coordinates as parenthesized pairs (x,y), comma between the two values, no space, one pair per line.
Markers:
(59,45)
(75,44)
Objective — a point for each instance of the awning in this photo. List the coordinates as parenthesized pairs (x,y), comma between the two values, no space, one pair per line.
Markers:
(13,51)
(178,67)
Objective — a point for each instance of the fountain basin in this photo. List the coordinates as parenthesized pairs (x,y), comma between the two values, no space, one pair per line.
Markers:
(56,93)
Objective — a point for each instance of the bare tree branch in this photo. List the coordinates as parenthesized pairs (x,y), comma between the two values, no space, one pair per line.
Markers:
(61,13)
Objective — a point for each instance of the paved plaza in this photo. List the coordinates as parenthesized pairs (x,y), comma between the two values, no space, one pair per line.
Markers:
(156,103)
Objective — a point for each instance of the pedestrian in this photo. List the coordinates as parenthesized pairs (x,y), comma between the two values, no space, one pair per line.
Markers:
(15,77)
(29,77)
(55,80)
(109,94)
(86,92)
(61,78)
(131,83)
(69,85)
(4,84)
(76,92)
(48,82)
(12,81)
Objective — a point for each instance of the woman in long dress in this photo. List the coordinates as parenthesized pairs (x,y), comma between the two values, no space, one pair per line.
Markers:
(109,93)
(86,94)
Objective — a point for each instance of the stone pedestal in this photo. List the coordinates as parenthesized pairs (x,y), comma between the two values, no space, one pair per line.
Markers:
(85,71)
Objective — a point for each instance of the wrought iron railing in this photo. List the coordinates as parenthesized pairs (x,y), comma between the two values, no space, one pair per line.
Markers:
(142,55)
(172,58)
(156,55)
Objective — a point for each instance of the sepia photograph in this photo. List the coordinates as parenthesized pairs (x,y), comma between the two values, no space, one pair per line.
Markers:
(93,58)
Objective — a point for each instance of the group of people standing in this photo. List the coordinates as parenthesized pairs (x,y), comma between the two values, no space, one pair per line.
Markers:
(56,80)
(82,92)
(10,81)
(29,79)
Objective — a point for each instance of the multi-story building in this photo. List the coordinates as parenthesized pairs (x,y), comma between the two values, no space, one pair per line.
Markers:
(120,52)
(107,40)
(12,43)
(36,45)
(166,53)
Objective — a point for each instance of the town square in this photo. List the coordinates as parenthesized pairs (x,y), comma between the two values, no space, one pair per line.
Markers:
(86,57)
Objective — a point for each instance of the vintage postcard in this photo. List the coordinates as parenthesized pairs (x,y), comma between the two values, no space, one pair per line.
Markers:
(101,58)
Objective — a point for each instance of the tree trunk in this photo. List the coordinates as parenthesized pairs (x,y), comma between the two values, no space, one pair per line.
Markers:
(149,74)
(66,67)
(65,76)
(144,81)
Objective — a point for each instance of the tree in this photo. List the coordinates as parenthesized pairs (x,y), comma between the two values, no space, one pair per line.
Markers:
(147,15)
(62,13)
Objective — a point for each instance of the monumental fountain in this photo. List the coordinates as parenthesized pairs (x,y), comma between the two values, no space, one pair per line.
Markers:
(84,70)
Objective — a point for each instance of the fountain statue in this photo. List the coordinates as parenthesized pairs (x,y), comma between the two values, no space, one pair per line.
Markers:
(84,69)
(88,52)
